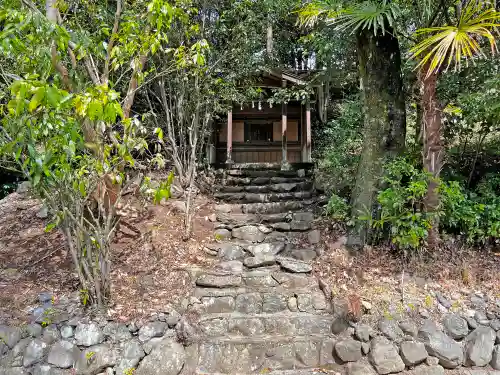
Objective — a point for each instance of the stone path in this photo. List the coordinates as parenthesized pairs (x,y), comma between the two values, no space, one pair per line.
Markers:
(260,308)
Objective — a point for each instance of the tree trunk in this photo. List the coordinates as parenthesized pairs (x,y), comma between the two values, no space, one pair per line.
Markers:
(433,147)
(384,122)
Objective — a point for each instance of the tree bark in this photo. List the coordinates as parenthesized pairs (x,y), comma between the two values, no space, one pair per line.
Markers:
(384,128)
(432,151)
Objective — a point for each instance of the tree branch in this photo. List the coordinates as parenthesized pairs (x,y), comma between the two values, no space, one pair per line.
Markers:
(132,86)
(105,73)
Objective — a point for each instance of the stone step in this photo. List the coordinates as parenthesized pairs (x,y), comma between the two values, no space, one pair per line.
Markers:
(265,208)
(263,198)
(306,371)
(261,355)
(287,221)
(287,283)
(265,173)
(267,188)
(259,181)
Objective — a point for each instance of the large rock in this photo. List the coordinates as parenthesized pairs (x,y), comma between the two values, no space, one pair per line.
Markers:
(249,233)
(293,265)
(266,249)
(348,350)
(232,266)
(273,303)
(43,369)
(495,358)
(306,255)
(51,334)
(218,281)
(117,332)
(96,359)
(441,346)
(259,261)
(456,326)
(384,356)
(249,303)
(217,305)
(34,330)
(228,251)
(63,354)
(363,332)
(222,234)
(88,334)
(10,335)
(14,371)
(390,329)
(314,237)
(479,346)
(132,353)
(413,353)
(361,367)
(152,329)
(427,370)
(166,359)
(409,328)
(35,351)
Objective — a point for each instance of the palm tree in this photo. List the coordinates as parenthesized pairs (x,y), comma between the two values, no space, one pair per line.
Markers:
(379,66)
(439,42)
(443,46)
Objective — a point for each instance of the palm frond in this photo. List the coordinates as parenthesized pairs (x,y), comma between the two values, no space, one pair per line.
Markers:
(370,15)
(317,10)
(448,44)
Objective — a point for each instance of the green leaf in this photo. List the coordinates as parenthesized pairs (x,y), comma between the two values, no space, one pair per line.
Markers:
(95,110)
(53,96)
(37,99)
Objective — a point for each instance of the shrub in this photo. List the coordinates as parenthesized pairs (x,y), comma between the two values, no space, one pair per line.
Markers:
(337,208)
(338,148)
(400,215)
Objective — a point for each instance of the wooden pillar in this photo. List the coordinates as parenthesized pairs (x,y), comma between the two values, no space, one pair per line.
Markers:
(308,158)
(212,140)
(284,161)
(229,159)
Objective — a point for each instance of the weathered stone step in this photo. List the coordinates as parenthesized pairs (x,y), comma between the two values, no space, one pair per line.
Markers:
(258,356)
(263,198)
(259,181)
(236,219)
(285,187)
(265,208)
(264,173)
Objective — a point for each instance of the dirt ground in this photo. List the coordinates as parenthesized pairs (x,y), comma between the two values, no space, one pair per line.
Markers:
(149,272)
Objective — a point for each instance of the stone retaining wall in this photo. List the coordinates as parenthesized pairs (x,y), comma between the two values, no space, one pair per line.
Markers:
(233,331)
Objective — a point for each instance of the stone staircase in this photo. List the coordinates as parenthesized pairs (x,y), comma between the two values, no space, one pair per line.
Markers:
(260,309)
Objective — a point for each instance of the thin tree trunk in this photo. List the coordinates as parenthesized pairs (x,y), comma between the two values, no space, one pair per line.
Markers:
(133,84)
(384,122)
(433,147)
(269,38)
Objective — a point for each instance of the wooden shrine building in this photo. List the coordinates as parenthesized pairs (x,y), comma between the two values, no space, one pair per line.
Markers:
(260,132)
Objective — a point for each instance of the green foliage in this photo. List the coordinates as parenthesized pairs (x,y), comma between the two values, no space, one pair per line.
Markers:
(400,215)
(453,43)
(337,208)
(473,214)
(339,146)
(352,16)
(401,218)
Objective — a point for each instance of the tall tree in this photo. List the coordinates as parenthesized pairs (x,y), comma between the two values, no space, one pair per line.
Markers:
(454,34)
(379,64)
